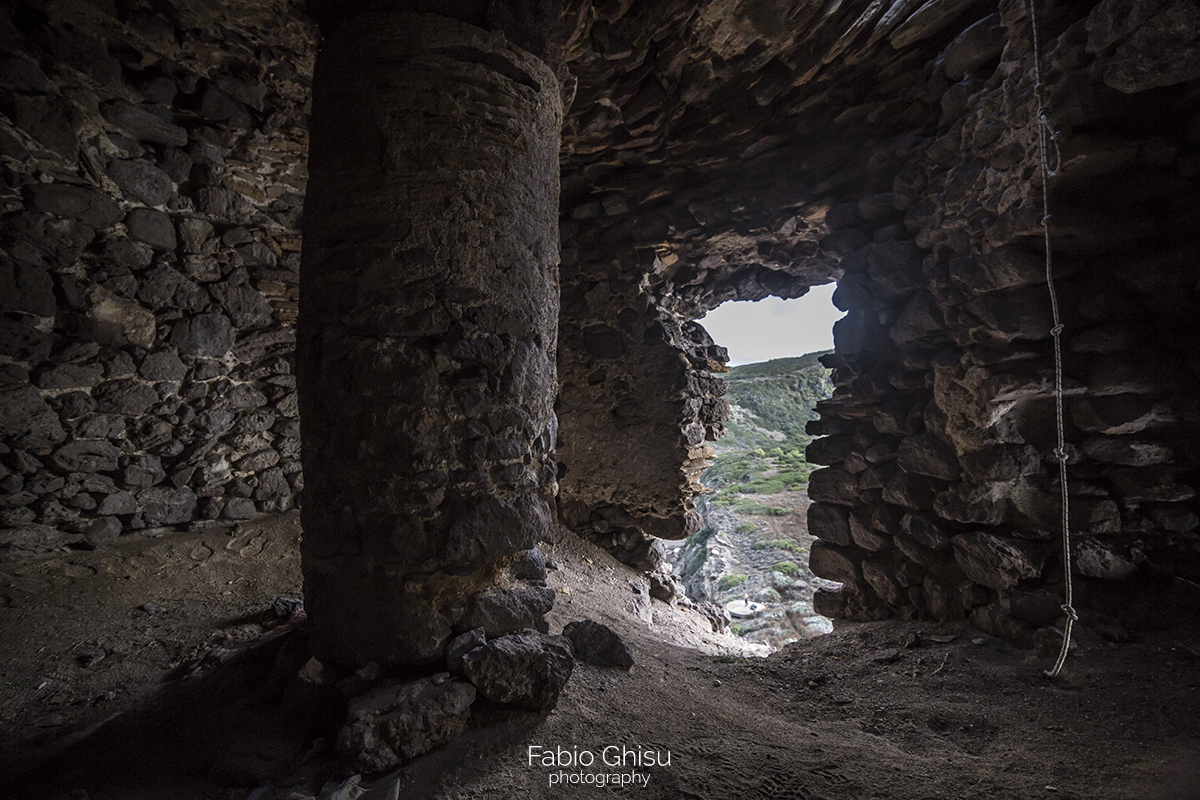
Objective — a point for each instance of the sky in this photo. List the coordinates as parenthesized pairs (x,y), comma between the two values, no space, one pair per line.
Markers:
(774,328)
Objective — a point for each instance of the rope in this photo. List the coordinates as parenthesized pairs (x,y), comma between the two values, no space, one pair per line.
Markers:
(1047,136)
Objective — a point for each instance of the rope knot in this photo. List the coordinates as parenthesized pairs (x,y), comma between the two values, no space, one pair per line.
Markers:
(1060,453)
(1056,330)
(1072,614)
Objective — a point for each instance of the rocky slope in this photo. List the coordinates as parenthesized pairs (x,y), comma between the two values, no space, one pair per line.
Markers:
(754,544)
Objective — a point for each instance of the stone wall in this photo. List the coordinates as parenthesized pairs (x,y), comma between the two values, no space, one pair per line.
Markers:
(941,495)
(153,176)
(153,173)
(638,402)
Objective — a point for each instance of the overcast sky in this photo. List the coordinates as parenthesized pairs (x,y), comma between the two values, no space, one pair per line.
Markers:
(774,328)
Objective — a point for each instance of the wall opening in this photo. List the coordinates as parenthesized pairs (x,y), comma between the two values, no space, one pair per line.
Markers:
(773,327)
(751,555)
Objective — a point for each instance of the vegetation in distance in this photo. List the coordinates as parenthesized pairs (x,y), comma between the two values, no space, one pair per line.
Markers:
(762,451)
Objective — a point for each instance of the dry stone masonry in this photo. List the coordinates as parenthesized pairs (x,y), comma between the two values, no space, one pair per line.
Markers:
(892,147)
(941,494)
(475,370)
(152,181)
(428,326)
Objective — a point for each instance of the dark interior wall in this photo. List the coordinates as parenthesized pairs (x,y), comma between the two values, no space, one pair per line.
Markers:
(153,175)
(153,169)
(908,170)
(638,403)
(941,497)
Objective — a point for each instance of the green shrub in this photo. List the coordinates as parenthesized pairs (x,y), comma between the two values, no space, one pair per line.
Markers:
(731,582)
(702,535)
(695,562)
(745,527)
(750,507)
(731,659)
(738,630)
(788,568)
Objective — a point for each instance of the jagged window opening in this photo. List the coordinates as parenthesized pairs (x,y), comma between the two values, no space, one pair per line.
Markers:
(774,328)
(751,556)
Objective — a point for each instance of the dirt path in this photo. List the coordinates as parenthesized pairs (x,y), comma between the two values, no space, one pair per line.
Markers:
(912,710)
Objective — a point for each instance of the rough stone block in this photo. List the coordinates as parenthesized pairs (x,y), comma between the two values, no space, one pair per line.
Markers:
(1149,49)
(460,645)
(151,227)
(205,335)
(523,670)
(395,723)
(127,397)
(90,206)
(1127,452)
(115,321)
(492,528)
(879,575)
(163,506)
(163,365)
(140,180)
(834,563)
(864,536)
(995,620)
(102,531)
(84,455)
(1120,415)
(925,454)
(1004,268)
(598,644)
(977,46)
(499,611)
(1096,560)
(246,307)
(829,522)
(194,234)
(997,562)
(142,124)
(834,485)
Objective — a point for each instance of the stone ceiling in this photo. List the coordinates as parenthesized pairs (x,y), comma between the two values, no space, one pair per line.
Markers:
(721,133)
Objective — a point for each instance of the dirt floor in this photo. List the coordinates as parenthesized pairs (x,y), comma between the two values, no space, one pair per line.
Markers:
(883,710)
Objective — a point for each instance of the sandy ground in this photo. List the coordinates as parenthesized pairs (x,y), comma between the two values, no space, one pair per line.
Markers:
(911,710)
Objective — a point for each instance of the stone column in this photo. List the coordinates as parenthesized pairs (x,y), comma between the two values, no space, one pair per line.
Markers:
(427,336)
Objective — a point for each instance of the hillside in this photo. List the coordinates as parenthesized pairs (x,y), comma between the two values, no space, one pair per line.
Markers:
(753,549)
(763,447)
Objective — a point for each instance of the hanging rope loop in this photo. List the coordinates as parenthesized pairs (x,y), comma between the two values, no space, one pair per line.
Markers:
(1047,136)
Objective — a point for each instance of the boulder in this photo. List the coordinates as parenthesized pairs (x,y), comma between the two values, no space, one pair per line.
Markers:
(526,670)
(499,611)
(101,531)
(598,644)
(394,723)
